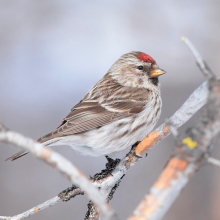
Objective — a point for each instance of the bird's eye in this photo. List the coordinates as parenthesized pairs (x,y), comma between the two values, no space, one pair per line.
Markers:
(140,67)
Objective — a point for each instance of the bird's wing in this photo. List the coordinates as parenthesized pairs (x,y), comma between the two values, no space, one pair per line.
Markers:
(88,115)
(107,101)
(92,112)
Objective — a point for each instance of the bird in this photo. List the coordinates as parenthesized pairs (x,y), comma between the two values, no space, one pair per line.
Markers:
(119,110)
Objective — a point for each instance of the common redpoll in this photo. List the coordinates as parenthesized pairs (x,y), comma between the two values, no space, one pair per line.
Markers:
(121,109)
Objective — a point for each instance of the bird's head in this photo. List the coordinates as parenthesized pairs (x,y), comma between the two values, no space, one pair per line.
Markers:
(136,69)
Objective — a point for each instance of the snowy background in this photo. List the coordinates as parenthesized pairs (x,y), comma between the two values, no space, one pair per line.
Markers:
(52,52)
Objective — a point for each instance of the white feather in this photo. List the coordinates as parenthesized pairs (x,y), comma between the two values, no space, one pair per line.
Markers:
(112,138)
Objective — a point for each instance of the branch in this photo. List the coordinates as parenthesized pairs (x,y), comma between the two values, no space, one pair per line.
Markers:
(173,130)
(34,210)
(199,60)
(213,162)
(181,167)
(187,110)
(62,165)
(196,100)
(163,193)
(188,158)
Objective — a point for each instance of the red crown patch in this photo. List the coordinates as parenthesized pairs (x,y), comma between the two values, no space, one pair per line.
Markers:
(146,58)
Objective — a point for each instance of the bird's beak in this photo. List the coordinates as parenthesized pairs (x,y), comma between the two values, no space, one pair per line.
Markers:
(156,72)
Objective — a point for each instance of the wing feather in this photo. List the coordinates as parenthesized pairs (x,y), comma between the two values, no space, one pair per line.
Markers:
(95,111)
(106,102)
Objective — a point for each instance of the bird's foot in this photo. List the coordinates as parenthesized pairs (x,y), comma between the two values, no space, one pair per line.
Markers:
(70,193)
(135,145)
(132,151)
(110,166)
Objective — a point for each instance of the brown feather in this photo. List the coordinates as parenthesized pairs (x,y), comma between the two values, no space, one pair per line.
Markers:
(99,108)
(116,96)
(17,155)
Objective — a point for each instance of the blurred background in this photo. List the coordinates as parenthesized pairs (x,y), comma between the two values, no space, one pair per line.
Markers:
(51,54)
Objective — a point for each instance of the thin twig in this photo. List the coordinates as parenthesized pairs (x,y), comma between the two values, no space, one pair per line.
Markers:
(42,206)
(213,162)
(199,60)
(34,210)
(64,166)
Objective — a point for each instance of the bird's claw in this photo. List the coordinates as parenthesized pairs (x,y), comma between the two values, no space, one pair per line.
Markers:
(111,164)
(132,151)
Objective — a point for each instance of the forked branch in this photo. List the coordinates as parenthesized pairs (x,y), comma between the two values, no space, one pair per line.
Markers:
(191,152)
(64,166)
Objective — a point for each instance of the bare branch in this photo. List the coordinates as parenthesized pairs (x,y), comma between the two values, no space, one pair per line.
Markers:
(34,210)
(199,60)
(189,157)
(213,162)
(187,110)
(61,197)
(173,130)
(165,190)
(62,165)
(70,193)
(196,100)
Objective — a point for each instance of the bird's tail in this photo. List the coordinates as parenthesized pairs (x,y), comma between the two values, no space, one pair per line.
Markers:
(23,152)
(17,155)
